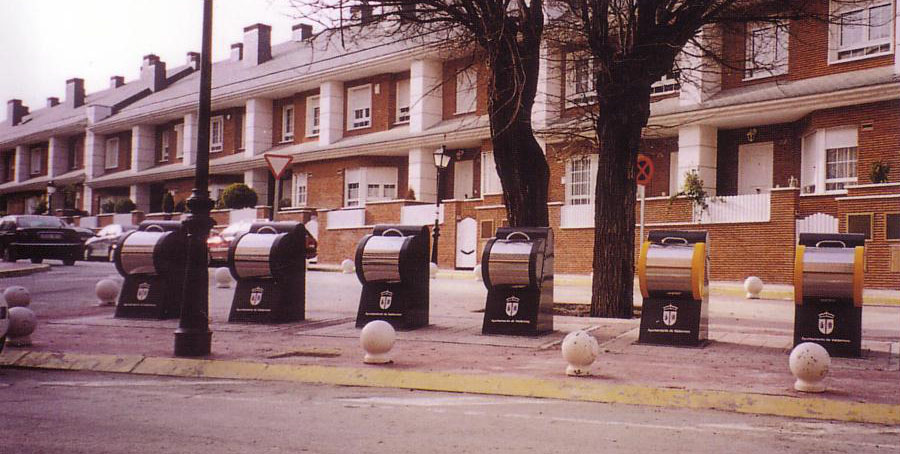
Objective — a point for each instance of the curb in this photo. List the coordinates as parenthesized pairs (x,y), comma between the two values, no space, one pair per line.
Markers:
(583,389)
(24,270)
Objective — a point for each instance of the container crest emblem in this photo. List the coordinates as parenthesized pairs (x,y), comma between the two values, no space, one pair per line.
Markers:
(512,306)
(256,296)
(826,323)
(670,314)
(143,291)
(384,302)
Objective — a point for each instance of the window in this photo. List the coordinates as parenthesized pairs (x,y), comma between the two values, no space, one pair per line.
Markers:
(379,183)
(71,153)
(579,79)
(840,167)
(892,226)
(487,229)
(490,180)
(166,140)
(668,83)
(352,194)
(287,123)
(359,105)
(312,116)
(243,130)
(578,190)
(301,191)
(860,223)
(179,141)
(767,50)
(35,161)
(216,134)
(403,101)
(466,90)
(111,160)
(862,29)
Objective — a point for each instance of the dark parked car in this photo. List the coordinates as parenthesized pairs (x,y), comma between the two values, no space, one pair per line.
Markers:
(102,245)
(84,233)
(38,238)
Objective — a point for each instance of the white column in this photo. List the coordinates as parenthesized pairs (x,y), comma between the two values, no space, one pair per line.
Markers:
(57,156)
(22,164)
(549,90)
(189,139)
(258,135)
(143,147)
(422,174)
(258,180)
(94,148)
(697,148)
(701,77)
(331,112)
(425,98)
(87,199)
(140,195)
(896,40)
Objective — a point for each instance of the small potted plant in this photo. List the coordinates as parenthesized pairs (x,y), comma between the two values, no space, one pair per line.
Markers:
(879,171)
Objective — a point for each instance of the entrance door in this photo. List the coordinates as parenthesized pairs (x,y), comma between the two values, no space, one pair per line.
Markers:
(466,243)
(463,180)
(755,168)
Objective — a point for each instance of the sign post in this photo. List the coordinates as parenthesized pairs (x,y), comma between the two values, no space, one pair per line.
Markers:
(644,171)
(278,163)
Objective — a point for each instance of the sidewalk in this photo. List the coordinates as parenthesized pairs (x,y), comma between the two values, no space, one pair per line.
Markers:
(743,368)
(21,269)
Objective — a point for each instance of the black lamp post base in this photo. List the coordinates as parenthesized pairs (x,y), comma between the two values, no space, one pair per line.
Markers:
(190,342)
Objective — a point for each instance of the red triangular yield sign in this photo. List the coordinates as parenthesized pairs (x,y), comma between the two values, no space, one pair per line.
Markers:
(278,163)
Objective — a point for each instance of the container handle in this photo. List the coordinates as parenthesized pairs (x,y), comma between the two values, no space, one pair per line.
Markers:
(399,233)
(523,234)
(267,229)
(831,243)
(673,239)
(154,228)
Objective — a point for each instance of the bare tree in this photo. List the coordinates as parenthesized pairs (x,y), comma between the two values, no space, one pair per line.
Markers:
(506,35)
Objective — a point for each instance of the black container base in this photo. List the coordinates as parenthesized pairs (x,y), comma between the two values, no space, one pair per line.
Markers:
(193,342)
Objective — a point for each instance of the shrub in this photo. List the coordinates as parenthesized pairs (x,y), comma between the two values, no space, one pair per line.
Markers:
(239,195)
(879,172)
(108,207)
(41,206)
(284,203)
(180,206)
(168,204)
(124,206)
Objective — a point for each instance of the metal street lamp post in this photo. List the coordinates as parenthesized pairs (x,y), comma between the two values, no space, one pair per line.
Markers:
(193,337)
(51,189)
(441,161)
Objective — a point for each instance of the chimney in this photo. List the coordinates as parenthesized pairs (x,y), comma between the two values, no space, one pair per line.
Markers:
(15,111)
(52,101)
(237,52)
(361,14)
(302,32)
(193,60)
(153,73)
(116,81)
(74,93)
(257,44)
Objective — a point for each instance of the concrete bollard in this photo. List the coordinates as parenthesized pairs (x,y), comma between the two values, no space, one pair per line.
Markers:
(347,266)
(809,362)
(477,272)
(22,323)
(107,291)
(432,269)
(377,339)
(580,349)
(223,277)
(17,296)
(753,286)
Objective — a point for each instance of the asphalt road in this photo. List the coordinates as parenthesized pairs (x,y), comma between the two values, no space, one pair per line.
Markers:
(73,412)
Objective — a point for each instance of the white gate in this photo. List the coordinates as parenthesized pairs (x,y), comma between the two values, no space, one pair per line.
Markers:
(817,223)
(313,227)
(466,243)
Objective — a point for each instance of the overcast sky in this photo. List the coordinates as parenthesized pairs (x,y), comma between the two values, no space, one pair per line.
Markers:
(43,43)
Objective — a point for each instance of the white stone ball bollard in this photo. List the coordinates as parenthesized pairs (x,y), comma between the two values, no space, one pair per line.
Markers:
(347,266)
(17,296)
(432,269)
(377,339)
(477,272)
(580,349)
(107,291)
(22,322)
(753,285)
(223,277)
(809,362)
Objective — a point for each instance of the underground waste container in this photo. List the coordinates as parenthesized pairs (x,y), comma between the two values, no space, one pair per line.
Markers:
(152,261)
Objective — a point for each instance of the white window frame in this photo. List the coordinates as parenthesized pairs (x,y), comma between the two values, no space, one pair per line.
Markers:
(35,163)
(466,91)
(216,141)
(668,83)
(179,141)
(301,189)
(111,153)
(313,116)
(848,159)
(579,92)
(164,145)
(287,123)
(585,193)
(402,96)
(359,116)
(490,180)
(381,182)
(773,38)
(814,157)
(868,47)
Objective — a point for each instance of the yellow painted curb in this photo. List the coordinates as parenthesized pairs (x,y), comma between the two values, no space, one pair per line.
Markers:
(579,389)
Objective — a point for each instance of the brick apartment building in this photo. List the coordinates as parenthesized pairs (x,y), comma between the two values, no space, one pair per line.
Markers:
(784,141)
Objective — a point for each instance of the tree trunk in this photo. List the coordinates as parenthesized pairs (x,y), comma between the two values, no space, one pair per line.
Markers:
(623,115)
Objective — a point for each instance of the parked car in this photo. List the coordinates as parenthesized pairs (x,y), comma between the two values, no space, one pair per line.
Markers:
(38,238)
(84,233)
(218,243)
(102,245)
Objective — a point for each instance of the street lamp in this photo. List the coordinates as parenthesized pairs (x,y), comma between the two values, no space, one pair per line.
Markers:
(51,189)
(441,161)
